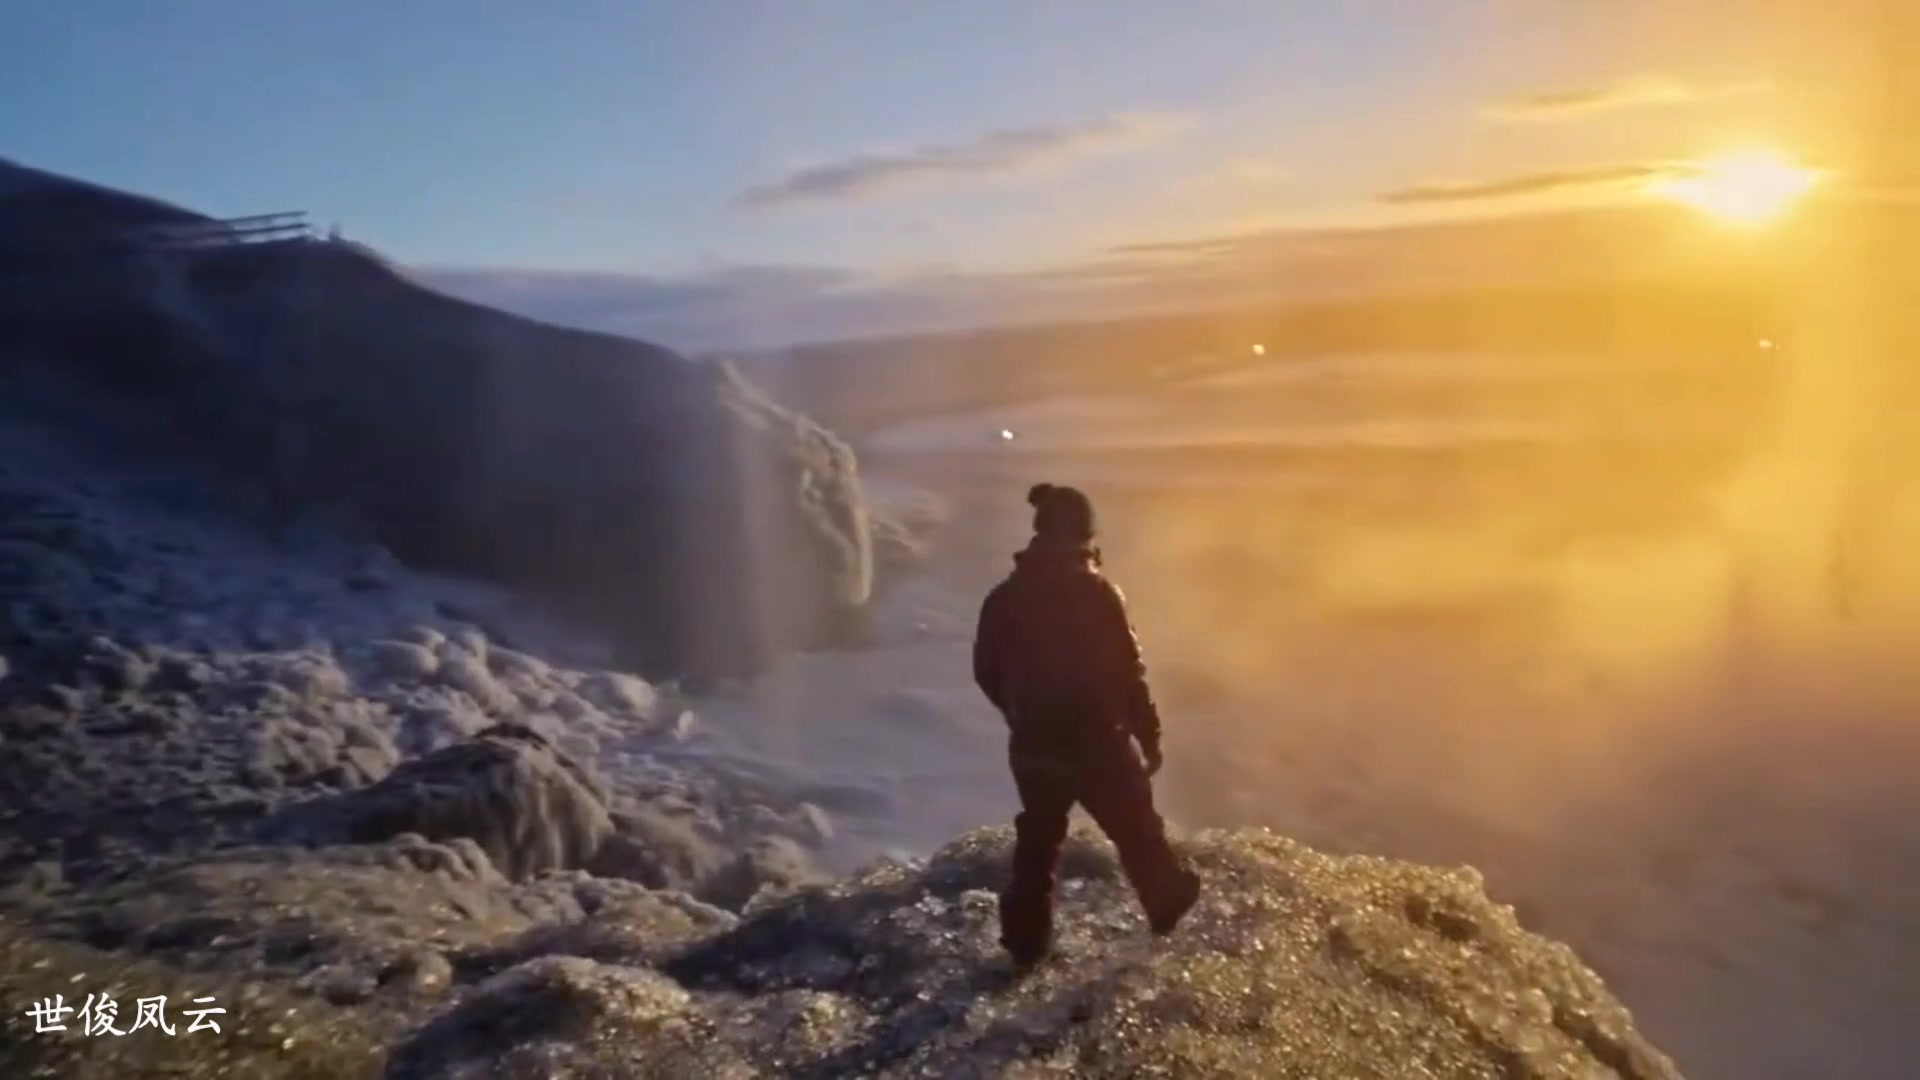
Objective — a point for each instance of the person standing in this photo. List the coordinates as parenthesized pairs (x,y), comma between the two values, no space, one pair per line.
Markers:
(1057,655)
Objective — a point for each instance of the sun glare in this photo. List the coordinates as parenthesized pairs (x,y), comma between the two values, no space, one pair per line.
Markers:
(1747,188)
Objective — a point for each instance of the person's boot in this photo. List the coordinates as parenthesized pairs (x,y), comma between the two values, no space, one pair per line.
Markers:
(1178,901)
(1025,933)
(1027,954)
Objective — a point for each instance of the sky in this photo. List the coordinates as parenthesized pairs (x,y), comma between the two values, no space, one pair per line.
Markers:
(706,170)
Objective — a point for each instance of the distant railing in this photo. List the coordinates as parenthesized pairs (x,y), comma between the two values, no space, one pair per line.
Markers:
(283,227)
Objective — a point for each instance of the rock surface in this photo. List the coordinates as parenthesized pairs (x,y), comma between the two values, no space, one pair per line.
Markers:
(1295,964)
(527,806)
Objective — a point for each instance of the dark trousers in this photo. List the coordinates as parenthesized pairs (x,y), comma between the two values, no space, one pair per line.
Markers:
(1112,784)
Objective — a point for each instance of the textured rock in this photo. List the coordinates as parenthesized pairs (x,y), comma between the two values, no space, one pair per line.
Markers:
(814,825)
(658,849)
(1294,964)
(403,659)
(116,668)
(470,676)
(620,695)
(534,1014)
(287,752)
(528,806)
(509,663)
(302,675)
(642,929)
(421,971)
(770,866)
(682,549)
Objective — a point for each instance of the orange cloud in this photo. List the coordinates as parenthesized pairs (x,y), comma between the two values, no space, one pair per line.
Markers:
(1539,183)
(1644,91)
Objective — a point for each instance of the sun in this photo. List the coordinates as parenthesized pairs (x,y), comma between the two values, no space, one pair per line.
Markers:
(1747,187)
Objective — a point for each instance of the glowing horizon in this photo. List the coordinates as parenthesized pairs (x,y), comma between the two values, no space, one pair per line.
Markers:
(1743,187)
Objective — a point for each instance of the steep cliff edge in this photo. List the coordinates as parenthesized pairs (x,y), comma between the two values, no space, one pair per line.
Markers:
(667,499)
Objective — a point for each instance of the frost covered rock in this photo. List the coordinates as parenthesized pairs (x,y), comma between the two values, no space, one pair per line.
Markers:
(665,844)
(424,636)
(436,720)
(734,529)
(419,971)
(528,806)
(509,663)
(470,676)
(773,865)
(806,824)
(658,849)
(560,1011)
(814,825)
(32,720)
(304,675)
(620,695)
(182,673)
(391,925)
(642,928)
(1294,964)
(571,706)
(284,751)
(403,660)
(114,667)
(341,985)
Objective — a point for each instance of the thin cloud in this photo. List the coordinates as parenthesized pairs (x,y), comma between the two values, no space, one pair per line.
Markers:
(1212,245)
(745,307)
(1539,183)
(1255,172)
(994,153)
(1647,91)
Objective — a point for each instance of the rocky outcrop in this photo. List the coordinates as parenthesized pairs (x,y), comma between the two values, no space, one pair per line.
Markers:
(529,807)
(532,809)
(1294,964)
(668,499)
(662,497)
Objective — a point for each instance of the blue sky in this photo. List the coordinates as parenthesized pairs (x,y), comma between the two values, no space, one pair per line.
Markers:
(686,142)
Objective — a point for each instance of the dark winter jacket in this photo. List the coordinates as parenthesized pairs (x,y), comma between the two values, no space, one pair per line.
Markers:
(1057,655)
